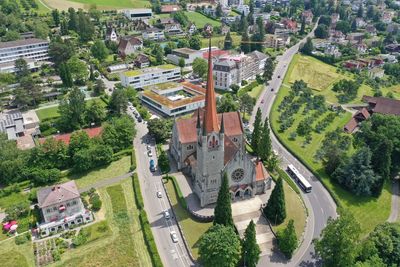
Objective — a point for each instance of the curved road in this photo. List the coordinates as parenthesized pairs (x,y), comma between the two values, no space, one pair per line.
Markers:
(319,203)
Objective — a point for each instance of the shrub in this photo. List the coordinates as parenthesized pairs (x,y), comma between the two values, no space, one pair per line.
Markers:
(95,202)
(22,239)
(81,238)
(133,160)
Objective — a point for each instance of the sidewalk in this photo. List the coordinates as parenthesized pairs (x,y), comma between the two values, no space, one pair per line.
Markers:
(394,213)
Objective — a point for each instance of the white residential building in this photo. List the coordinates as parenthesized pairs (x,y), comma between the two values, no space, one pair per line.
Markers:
(138,13)
(243,9)
(153,34)
(173,98)
(232,69)
(150,76)
(188,55)
(32,50)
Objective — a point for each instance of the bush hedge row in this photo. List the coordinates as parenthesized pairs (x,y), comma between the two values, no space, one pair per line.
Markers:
(181,198)
(144,222)
(133,160)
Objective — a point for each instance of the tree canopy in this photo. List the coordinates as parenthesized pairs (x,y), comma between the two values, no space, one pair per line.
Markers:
(223,209)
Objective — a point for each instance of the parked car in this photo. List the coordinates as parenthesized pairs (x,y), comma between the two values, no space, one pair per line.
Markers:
(166,215)
(149,153)
(262,101)
(152,166)
(174,237)
(139,119)
(159,195)
(148,147)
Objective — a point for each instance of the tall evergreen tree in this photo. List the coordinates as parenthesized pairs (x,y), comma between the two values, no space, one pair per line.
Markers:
(64,27)
(65,75)
(85,27)
(56,17)
(268,69)
(245,45)
(223,209)
(73,19)
(250,249)
(265,146)
(303,26)
(360,12)
(287,239)
(256,135)
(228,41)
(21,68)
(275,210)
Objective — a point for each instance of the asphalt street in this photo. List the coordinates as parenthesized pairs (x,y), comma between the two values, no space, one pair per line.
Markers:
(172,254)
(319,203)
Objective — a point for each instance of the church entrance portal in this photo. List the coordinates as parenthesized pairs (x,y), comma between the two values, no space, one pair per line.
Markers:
(247,193)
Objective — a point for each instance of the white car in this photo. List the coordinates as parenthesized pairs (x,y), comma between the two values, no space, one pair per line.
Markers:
(148,147)
(174,237)
(149,153)
(159,195)
(166,215)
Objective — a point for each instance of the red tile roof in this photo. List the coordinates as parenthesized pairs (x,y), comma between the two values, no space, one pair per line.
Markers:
(261,172)
(230,150)
(92,132)
(187,127)
(384,105)
(170,8)
(215,53)
(351,125)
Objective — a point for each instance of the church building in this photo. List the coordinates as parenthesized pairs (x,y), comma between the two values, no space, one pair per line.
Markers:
(208,145)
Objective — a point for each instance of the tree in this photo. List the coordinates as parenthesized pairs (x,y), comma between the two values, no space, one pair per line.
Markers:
(303,26)
(228,41)
(95,113)
(181,17)
(265,146)
(99,50)
(160,129)
(60,51)
(73,20)
(360,11)
(32,89)
(246,103)
(21,99)
(85,27)
(219,246)
(118,103)
(308,47)
(78,69)
(218,11)
(226,103)
(79,140)
(223,209)
(199,67)
(64,27)
(11,36)
(343,26)
(21,68)
(41,30)
(325,20)
(275,210)
(72,109)
(256,134)
(245,43)
(51,154)
(56,17)
(119,132)
(163,162)
(287,239)
(99,87)
(195,42)
(321,31)
(250,249)
(158,53)
(181,64)
(338,241)
(65,75)
(268,69)
(183,43)
(169,47)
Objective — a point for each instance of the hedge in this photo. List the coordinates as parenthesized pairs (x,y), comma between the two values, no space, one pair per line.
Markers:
(290,181)
(248,88)
(181,198)
(120,154)
(144,222)
(133,160)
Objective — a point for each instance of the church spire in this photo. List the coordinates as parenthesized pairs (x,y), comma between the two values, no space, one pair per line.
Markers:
(222,128)
(210,113)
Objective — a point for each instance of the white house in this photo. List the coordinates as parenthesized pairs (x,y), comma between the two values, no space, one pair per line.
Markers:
(138,13)
(153,34)
(150,76)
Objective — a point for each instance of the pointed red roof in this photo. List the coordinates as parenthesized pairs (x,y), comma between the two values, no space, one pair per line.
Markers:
(210,119)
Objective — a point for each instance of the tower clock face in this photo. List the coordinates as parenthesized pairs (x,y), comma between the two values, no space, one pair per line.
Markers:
(237,175)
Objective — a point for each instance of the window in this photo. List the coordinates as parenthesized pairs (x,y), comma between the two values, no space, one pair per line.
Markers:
(68,204)
(54,208)
(48,210)
(74,202)
(235,139)
(189,147)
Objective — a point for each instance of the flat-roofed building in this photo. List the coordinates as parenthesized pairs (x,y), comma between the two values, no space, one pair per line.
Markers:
(138,13)
(173,98)
(150,76)
(188,55)
(32,50)
(153,34)
(12,124)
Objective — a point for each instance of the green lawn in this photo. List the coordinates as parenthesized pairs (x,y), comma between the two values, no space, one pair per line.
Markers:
(124,246)
(193,230)
(218,41)
(368,211)
(116,168)
(256,91)
(200,20)
(294,210)
(52,112)
(41,8)
(16,255)
(395,90)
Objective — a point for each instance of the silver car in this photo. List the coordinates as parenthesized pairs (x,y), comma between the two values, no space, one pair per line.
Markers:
(174,237)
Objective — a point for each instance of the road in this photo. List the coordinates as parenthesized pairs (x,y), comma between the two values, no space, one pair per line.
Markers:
(319,203)
(172,254)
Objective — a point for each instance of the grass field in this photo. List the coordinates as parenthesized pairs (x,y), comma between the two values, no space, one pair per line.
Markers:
(52,112)
(193,230)
(320,77)
(368,211)
(125,246)
(16,255)
(294,210)
(116,168)
(395,90)
(218,41)
(101,4)
(255,93)
(200,20)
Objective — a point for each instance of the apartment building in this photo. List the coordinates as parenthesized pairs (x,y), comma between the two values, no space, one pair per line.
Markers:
(188,55)
(150,76)
(33,50)
(232,69)
(153,34)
